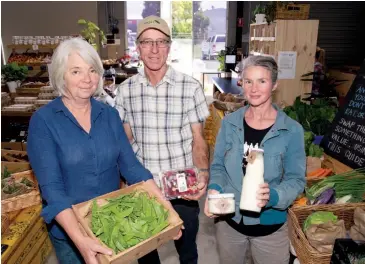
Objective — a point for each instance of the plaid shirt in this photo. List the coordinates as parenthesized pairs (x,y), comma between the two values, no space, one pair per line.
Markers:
(160,118)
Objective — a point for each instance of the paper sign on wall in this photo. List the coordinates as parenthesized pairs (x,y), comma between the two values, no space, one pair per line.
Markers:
(287,63)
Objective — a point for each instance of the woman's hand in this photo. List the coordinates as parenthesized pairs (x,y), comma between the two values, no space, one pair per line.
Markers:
(263,195)
(89,247)
(206,206)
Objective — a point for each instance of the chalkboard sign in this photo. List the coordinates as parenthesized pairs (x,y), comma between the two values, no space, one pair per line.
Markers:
(346,139)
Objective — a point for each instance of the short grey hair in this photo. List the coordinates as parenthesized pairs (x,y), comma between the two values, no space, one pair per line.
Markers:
(57,68)
(266,62)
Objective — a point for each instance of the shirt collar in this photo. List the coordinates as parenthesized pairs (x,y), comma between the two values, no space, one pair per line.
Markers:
(236,118)
(168,77)
(96,107)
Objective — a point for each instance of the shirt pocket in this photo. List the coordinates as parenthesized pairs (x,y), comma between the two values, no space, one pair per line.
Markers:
(273,166)
(175,114)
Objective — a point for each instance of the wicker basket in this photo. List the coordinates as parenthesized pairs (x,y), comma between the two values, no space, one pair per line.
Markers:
(292,11)
(305,252)
(24,200)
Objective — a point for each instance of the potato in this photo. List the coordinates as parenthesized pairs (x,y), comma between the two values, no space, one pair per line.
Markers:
(229,98)
(216,94)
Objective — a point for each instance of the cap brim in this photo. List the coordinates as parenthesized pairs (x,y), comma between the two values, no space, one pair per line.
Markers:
(153,28)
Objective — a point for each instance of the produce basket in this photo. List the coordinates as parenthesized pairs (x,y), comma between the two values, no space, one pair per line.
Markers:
(23,200)
(14,161)
(83,214)
(305,252)
(292,11)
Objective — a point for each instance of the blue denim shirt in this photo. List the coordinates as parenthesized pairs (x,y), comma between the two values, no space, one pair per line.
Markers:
(73,166)
(284,164)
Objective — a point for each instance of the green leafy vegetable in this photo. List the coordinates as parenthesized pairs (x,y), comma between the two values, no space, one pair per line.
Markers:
(319,217)
(128,220)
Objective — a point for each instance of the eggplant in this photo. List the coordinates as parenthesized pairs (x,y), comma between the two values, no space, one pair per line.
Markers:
(326,197)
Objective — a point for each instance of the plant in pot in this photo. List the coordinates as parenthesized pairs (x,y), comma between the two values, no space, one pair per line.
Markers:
(91,32)
(13,74)
(259,14)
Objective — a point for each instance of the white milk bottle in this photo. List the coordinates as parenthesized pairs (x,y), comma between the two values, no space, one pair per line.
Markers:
(253,178)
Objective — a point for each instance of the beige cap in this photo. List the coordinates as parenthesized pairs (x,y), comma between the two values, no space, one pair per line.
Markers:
(154,22)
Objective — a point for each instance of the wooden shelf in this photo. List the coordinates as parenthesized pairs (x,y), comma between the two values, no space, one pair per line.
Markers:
(30,46)
(261,54)
(263,38)
(289,35)
(16,113)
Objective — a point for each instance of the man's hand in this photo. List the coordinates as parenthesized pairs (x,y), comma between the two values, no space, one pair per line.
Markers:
(203,178)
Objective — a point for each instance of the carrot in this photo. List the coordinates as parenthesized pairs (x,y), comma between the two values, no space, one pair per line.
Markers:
(302,201)
(315,173)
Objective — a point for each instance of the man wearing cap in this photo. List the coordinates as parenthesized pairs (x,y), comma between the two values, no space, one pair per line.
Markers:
(163,112)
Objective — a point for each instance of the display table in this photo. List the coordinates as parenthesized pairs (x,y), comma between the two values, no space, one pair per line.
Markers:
(226,85)
(26,239)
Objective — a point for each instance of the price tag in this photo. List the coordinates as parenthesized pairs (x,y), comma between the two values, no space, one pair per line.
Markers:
(22,133)
(35,47)
(181,182)
(13,140)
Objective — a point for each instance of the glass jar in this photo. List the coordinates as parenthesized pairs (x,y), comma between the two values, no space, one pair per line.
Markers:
(220,204)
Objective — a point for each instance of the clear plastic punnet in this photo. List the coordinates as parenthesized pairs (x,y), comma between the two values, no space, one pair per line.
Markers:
(177,183)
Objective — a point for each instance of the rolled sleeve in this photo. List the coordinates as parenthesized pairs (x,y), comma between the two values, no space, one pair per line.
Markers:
(198,107)
(42,154)
(119,104)
(131,169)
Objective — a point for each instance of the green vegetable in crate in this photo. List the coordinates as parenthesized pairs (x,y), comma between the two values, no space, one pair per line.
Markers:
(308,139)
(315,151)
(348,183)
(128,220)
(319,217)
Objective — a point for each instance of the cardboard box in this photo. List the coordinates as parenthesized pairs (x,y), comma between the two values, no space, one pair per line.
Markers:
(83,214)
(19,229)
(12,145)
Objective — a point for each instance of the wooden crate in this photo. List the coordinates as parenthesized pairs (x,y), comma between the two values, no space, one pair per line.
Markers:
(11,145)
(44,251)
(24,200)
(14,165)
(292,11)
(23,223)
(83,214)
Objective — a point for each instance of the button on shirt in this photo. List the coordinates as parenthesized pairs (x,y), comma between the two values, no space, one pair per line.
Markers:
(74,166)
(160,118)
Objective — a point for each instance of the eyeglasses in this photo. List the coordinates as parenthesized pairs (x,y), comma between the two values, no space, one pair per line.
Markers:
(160,43)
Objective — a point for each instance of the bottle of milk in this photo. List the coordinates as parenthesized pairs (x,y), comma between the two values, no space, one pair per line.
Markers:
(252,179)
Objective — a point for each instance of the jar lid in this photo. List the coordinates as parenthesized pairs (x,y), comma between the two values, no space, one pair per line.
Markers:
(220,195)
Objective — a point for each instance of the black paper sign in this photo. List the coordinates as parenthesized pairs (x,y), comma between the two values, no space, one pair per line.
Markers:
(346,139)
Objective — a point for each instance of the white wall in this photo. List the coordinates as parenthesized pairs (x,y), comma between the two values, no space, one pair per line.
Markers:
(26,18)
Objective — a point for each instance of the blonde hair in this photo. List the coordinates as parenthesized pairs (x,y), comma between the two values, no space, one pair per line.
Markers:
(59,61)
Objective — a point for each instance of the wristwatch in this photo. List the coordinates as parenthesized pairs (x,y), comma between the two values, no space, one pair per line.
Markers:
(203,170)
